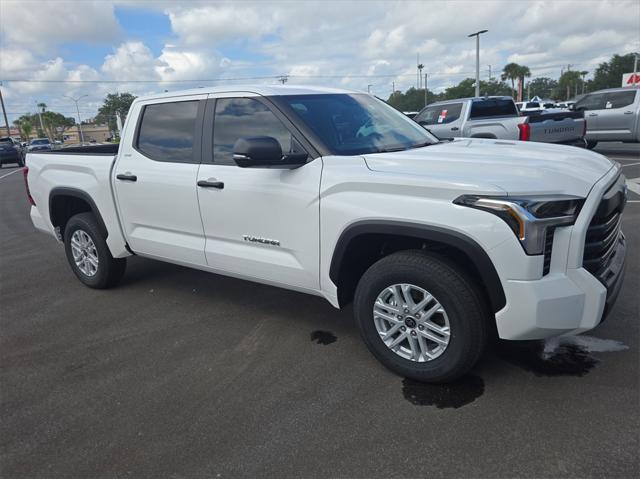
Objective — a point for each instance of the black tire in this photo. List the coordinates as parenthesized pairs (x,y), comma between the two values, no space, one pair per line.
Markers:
(465,306)
(591,144)
(109,270)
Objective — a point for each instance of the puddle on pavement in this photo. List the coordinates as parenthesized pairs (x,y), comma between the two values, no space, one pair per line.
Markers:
(561,356)
(323,337)
(443,396)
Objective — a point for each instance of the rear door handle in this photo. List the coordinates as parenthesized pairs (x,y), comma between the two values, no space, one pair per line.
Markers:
(211,184)
(127,177)
(628,113)
(593,114)
(454,128)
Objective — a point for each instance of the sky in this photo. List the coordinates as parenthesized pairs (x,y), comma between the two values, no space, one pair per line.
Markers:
(53,49)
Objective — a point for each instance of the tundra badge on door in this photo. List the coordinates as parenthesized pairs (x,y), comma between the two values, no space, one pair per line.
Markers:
(260,239)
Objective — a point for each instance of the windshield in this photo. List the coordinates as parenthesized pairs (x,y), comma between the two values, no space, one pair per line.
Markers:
(40,142)
(356,124)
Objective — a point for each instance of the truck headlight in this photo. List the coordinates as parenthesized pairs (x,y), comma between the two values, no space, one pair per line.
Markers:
(529,217)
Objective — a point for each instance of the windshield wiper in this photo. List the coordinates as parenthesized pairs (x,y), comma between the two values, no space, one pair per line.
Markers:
(420,145)
(389,150)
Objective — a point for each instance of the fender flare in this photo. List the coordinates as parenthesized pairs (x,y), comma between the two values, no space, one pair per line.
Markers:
(459,241)
(82,195)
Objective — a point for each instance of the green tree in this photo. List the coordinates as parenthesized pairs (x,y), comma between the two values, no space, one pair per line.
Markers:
(513,72)
(114,104)
(411,100)
(609,74)
(543,87)
(26,128)
(55,124)
(466,88)
(568,84)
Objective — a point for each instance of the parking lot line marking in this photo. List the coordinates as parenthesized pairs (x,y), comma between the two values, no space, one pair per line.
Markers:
(634,185)
(14,171)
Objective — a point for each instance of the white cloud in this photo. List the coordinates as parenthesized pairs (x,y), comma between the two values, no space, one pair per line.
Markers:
(212,24)
(43,25)
(131,61)
(349,43)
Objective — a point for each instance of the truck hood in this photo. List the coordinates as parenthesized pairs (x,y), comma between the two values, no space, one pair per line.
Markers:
(517,168)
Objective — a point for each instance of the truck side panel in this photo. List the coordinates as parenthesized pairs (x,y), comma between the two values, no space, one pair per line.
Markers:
(499,128)
(84,173)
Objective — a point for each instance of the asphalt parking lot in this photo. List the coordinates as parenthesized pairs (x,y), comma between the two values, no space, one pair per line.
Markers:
(180,373)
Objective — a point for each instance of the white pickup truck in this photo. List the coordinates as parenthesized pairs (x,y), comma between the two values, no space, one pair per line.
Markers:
(439,245)
(497,117)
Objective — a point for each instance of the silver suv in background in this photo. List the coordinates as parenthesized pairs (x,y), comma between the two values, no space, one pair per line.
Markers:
(612,115)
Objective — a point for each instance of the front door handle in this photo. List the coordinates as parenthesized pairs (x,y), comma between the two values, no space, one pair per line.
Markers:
(593,114)
(127,177)
(454,128)
(211,184)
(628,113)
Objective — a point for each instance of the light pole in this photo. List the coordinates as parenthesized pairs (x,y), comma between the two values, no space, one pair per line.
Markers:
(477,35)
(40,118)
(76,100)
(369,89)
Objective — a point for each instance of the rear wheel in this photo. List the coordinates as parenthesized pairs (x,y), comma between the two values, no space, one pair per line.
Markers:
(421,316)
(89,255)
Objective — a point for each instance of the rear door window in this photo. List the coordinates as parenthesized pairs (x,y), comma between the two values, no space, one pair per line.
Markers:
(620,99)
(167,131)
(493,108)
(442,114)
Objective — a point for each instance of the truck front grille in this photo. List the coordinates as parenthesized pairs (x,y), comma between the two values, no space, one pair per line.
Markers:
(548,245)
(605,232)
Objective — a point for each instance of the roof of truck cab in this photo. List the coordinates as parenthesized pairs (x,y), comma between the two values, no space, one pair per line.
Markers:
(265,90)
(471,98)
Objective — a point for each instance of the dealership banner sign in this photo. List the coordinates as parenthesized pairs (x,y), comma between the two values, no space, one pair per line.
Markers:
(630,79)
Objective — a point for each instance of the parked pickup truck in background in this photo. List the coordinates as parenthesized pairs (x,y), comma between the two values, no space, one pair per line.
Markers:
(498,118)
(336,194)
(612,115)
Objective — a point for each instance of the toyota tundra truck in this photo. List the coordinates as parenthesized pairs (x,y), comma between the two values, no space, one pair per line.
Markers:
(497,117)
(439,245)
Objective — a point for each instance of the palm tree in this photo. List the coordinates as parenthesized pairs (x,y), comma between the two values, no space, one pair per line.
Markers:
(510,72)
(513,72)
(583,74)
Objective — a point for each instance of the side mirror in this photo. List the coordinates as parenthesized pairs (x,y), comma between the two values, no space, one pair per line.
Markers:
(265,152)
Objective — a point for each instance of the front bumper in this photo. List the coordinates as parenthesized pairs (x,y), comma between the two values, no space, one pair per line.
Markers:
(570,299)
(559,304)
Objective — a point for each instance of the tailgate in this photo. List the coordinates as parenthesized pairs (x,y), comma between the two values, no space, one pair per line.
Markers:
(557,127)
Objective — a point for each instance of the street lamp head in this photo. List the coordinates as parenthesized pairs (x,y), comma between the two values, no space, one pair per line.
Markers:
(477,33)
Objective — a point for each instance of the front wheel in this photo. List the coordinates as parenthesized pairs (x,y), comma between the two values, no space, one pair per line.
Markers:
(421,316)
(89,255)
